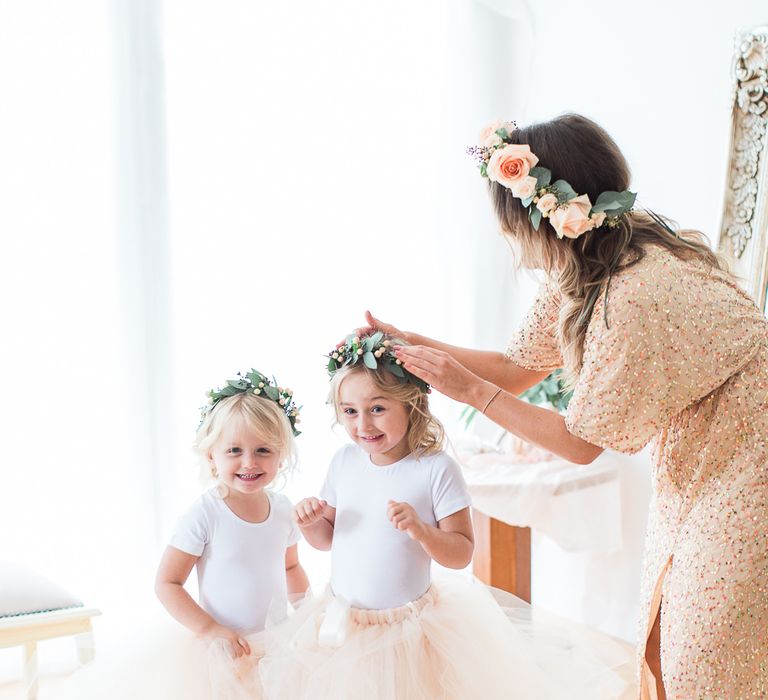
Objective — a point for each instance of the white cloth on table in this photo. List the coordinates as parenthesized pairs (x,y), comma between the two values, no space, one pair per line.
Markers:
(578,506)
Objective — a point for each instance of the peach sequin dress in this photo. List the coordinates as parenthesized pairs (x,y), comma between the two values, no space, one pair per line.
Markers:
(683,362)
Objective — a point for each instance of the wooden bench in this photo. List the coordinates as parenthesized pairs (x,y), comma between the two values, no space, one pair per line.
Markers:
(28,629)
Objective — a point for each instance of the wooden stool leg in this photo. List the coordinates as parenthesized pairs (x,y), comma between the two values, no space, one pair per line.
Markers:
(85,647)
(30,669)
(502,555)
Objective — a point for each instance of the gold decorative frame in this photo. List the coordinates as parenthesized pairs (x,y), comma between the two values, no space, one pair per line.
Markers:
(744,228)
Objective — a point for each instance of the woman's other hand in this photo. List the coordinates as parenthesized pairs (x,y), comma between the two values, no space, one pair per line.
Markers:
(444,373)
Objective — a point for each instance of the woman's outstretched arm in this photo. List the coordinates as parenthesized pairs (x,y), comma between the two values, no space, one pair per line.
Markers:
(493,366)
(531,423)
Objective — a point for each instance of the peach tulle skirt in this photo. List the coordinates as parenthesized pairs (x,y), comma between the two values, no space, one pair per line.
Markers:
(455,642)
(459,641)
(168,664)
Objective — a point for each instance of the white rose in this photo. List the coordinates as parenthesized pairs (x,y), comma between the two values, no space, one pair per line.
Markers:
(598,218)
(488,136)
(546,203)
(525,188)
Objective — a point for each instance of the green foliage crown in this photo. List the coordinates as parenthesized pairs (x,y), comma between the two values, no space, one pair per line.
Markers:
(259,384)
(376,352)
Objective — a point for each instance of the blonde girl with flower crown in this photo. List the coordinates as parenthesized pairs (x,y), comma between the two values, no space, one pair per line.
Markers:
(241,538)
(239,535)
(392,503)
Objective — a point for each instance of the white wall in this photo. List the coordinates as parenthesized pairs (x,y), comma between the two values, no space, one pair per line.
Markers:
(658,79)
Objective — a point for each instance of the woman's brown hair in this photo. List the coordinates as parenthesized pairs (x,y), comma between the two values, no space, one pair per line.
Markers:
(577,150)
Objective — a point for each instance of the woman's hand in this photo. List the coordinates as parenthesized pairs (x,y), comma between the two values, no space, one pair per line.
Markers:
(235,645)
(375,325)
(308,511)
(405,518)
(444,373)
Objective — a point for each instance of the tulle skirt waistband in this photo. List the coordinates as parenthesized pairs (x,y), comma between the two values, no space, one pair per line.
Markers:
(390,616)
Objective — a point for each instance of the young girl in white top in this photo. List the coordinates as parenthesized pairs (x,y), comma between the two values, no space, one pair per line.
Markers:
(238,535)
(241,538)
(392,503)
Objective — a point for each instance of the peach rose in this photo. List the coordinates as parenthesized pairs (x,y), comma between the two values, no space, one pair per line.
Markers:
(525,188)
(572,219)
(488,136)
(511,164)
(547,203)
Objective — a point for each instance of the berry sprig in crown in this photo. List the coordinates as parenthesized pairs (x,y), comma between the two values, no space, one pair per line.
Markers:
(514,166)
(259,384)
(375,352)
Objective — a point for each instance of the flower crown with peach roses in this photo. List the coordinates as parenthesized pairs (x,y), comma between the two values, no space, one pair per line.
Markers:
(376,352)
(514,166)
(256,383)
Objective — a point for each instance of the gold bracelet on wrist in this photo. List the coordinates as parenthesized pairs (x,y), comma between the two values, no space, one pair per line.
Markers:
(490,401)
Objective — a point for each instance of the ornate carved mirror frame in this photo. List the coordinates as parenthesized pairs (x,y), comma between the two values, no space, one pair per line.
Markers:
(744,228)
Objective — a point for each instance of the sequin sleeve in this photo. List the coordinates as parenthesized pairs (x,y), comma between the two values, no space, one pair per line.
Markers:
(676,332)
(534,345)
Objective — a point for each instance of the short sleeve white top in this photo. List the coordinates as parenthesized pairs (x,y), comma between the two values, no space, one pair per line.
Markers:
(374,565)
(241,569)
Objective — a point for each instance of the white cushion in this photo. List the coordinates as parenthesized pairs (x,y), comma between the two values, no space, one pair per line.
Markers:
(23,592)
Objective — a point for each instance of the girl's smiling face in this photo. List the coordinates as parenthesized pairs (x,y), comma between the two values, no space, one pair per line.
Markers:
(244,461)
(375,422)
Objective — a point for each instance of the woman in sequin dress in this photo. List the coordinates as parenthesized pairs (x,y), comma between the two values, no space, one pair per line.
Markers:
(660,344)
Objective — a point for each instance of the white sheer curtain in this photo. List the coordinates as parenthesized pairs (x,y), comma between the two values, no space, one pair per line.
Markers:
(193,189)
(317,169)
(74,500)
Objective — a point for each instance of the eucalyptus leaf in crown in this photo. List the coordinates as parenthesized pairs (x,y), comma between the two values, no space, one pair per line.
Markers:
(375,352)
(259,384)
(515,167)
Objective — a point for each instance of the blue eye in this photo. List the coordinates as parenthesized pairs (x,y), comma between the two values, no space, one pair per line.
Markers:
(349,411)
(264,451)
(233,450)
(378,409)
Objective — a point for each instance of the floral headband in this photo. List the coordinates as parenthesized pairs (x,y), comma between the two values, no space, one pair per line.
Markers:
(514,166)
(256,383)
(375,352)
